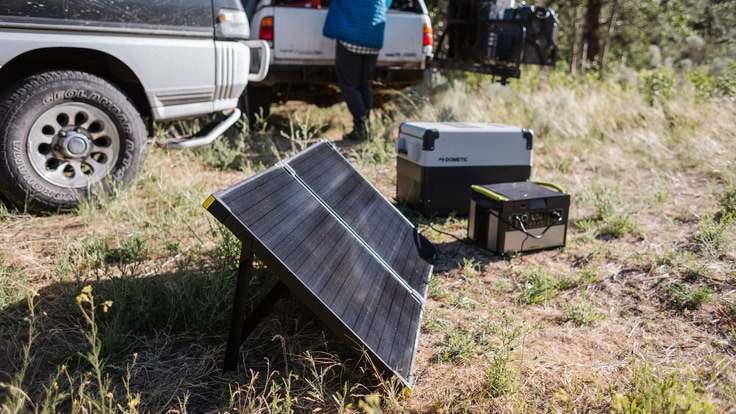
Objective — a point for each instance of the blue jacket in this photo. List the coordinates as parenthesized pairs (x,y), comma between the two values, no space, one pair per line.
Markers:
(358,22)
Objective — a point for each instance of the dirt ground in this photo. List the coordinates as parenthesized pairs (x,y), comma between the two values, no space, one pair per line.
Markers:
(556,362)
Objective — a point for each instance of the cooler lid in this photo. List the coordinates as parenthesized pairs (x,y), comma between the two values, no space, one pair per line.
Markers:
(464,144)
(417,129)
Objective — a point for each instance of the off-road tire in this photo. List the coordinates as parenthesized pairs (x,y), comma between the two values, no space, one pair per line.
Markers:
(64,137)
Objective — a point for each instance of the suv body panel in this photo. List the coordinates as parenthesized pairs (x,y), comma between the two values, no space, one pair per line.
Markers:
(169,46)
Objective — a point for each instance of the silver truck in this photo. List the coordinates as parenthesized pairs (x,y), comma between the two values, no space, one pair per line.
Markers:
(302,60)
(79,77)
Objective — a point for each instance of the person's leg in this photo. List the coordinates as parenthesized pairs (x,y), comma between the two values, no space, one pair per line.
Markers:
(348,72)
(365,88)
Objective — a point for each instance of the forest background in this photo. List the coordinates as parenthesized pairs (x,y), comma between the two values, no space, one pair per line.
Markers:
(606,35)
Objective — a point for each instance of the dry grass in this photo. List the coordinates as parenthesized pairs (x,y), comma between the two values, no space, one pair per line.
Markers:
(627,327)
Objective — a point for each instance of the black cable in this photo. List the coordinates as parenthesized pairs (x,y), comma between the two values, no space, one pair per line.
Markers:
(522,228)
(464,240)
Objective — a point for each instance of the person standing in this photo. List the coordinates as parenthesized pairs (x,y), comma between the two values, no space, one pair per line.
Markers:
(358,28)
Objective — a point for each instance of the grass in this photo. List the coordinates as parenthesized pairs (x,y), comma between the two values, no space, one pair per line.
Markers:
(688,298)
(635,314)
(582,312)
(657,390)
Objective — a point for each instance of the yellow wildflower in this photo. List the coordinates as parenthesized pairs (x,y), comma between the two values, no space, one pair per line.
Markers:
(133,402)
(85,295)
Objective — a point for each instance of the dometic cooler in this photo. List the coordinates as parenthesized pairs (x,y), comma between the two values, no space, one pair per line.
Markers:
(437,162)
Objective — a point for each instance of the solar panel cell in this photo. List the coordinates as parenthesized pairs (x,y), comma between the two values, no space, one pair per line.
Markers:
(364,209)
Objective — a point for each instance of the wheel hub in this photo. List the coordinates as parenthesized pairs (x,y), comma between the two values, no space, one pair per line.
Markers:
(72,143)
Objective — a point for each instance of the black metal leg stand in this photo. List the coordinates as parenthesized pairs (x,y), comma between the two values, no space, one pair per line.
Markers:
(240,303)
(241,326)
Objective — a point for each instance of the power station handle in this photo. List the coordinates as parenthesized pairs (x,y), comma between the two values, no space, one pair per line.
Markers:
(488,193)
(551,185)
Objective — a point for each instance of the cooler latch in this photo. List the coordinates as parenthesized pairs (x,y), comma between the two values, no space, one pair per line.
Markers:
(528,135)
(428,139)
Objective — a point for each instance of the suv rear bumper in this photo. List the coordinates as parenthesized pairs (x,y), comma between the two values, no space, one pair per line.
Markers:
(391,77)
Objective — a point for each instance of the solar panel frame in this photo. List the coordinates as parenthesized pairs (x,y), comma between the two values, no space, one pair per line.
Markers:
(336,263)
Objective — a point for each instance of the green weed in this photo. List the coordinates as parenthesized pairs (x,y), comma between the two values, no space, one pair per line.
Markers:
(672,255)
(585,276)
(507,333)
(611,219)
(302,133)
(464,300)
(586,225)
(459,345)
(8,212)
(539,286)
(13,282)
(717,81)
(694,270)
(83,258)
(437,290)
(101,257)
(377,151)
(658,85)
(184,302)
(434,321)
(616,226)
(654,390)
(83,388)
(582,312)
(686,298)
(715,236)
(727,200)
(471,269)
(17,401)
(129,255)
(228,151)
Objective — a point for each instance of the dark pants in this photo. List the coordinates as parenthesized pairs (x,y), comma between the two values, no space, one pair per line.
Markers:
(355,78)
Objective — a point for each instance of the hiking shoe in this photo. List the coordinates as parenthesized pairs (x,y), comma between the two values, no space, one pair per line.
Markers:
(353,136)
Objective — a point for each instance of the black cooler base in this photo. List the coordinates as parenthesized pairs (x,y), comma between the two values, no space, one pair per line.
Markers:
(446,190)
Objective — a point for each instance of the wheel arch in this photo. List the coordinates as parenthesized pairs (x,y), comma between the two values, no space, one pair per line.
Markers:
(98,63)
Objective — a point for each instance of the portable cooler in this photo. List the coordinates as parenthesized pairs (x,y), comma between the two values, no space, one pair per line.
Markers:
(438,162)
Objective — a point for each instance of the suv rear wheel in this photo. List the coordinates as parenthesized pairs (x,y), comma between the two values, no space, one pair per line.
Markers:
(65,136)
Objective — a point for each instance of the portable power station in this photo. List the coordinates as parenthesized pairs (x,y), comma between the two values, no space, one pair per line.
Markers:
(518,216)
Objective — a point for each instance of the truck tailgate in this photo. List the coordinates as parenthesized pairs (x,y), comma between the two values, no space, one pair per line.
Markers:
(404,35)
(297,37)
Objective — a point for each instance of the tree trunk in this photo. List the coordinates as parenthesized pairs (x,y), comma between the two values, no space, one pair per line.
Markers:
(591,36)
(575,46)
(609,33)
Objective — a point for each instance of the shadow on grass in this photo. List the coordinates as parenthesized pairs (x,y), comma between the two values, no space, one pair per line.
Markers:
(164,338)
(456,244)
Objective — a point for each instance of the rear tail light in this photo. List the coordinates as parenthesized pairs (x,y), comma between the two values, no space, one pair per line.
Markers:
(428,38)
(265,32)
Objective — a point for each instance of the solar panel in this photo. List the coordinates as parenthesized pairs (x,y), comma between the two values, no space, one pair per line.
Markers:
(340,246)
